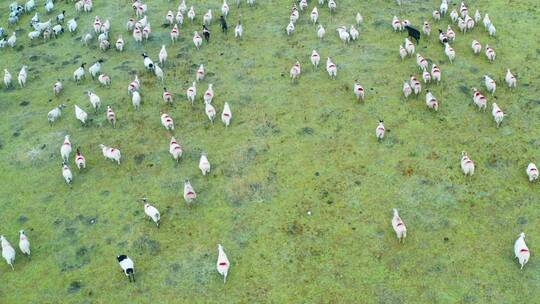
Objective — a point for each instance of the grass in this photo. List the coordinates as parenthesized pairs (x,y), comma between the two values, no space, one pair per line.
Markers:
(291,148)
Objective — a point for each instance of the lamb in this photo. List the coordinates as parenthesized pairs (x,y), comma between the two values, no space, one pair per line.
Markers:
(60,17)
(358,90)
(520,250)
(8,253)
(12,40)
(175,149)
(436,15)
(104,45)
(192,92)
(426,28)
(290,28)
(167,121)
(399,226)
(431,101)
(34,35)
(498,114)
(24,243)
(344,36)
(7,78)
(106,26)
(238,30)
(189,193)
(200,73)
(210,111)
(104,80)
(110,153)
(407,90)
(467,165)
(354,33)
(66,173)
(226,115)
(331,68)
(94,100)
(320,31)
(510,79)
(65,150)
(151,211)
(204,164)
(402,52)
(57,30)
(57,87)
(111,116)
(315,59)
(136,100)
(532,172)
(167,96)
(81,114)
(78,75)
(477,16)
(379,131)
(222,263)
(127,266)
(55,113)
(492,31)
(80,160)
(486,21)
(162,55)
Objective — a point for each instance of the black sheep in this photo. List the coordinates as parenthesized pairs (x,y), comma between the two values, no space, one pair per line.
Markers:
(223,22)
(206,33)
(413,33)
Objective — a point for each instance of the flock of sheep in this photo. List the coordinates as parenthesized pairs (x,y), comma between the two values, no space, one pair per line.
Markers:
(141,29)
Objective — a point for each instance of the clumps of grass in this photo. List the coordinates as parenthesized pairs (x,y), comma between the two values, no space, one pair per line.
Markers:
(146,245)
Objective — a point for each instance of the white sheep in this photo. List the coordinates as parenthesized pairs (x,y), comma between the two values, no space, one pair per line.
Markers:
(354,33)
(450,34)
(467,165)
(379,131)
(162,55)
(463,10)
(134,85)
(476,46)
(399,226)
(396,24)
(169,17)
(436,15)
(200,73)
(34,35)
(320,31)
(332,5)
(127,266)
(449,51)
(431,101)
(421,61)
(80,114)
(136,100)
(191,14)
(402,52)
(532,172)
(94,100)
(55,113)
(210,111)
(78,75)
(197,39)
(167,121)
(331,68)
(222,264)
(358,90)
(415,85)
(151,211)
(409,47)
(7,78)
(207,18)
(498,114)
(167,96)
(492,31)
(12,40)
(159,73)
(192,92)
(295,71)
(479,100)
(80,160)
(174,33)
(147,30)
(110,153)
(182,7)
(426,76)
(137,34)
(314,15)
(204,164)
(521,250)
(225,8)
(97,24)
(490,84)
(426,28)
(65,149)
(175,149)
(344,36)
(226,115)
(72,25)
(111,116)
(57,87)
(66,173)
(8,253)
(359,19)
(436,73)
(290,28)
(490,53)
(120,44)
(24,243)
(486,21)
(189,193)
(510,79)
(444,7)
(407,90)
(477,16)
(454,15)
(238,30)
(104,79)
(209,94)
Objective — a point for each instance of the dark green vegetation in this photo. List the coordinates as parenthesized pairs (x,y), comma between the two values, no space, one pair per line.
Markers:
(290,148)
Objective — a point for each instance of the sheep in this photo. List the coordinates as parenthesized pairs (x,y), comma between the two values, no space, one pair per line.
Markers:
(86,38)
(314,15)
(7,78)
(463,10)
(209,94)
(137,34)
(210,111)
(111,153)
(479,100)
(454,15)
(470,22)
(151,211)
(104,80)
(66,173)
(532,172)
(490,53)
(207,18)
(521,250)
(449,51)
(303,4)
(344,36)
(88,5)
(331,68)
(191,14)
(72,25)
(415,85)
(477,16)
(332,6)
(189,193)
(490,84)
(55,113)
(136,100)
(492,31)
(167,96)
(174,33)
(182,6)
(94,99)
(290,28)
(358,90)
(467,165)
(320,31)
(444,7)
(436,73)
(192,92)
(49,6)
(486,21)
(399,226)
(510,79)
(127,266)
(498,114)
(431,101)
(148,63)
(97,24)
(359,19)
(379,131)
(80,160)
(238,30)
(12,40)
(442,37)
(175,149)
(294,15)
(450,34)
(354,33)
(79,5)
(315,59)
(409,47)
(250,2)
(60,17)
(8,253)
(134,85)
(46,34)
(24,243)
(426,28)
(158,72)
(78,75)
(95,68)
(34,35)
(179,18)
(57,30)
(162,55)
(130,24)
(167,121)
(197,40)
(29,6)
(421,61)
(111,116)
(402,52)
(426,76)
(225,8)
(200,73)
(407,90)
(476,47)
(295,71)
(222,263)
(226,115)
(80,114)
(169,17)
(147,30)
(462,25)
(65,149)
(396,24)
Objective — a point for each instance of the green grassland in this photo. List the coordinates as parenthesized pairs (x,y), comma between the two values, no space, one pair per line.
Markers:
(291,148)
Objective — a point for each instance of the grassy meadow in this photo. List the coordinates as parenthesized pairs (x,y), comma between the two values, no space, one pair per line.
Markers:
(290,149)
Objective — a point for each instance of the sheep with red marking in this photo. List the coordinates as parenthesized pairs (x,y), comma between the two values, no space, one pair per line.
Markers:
(175,149)
(111,153)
